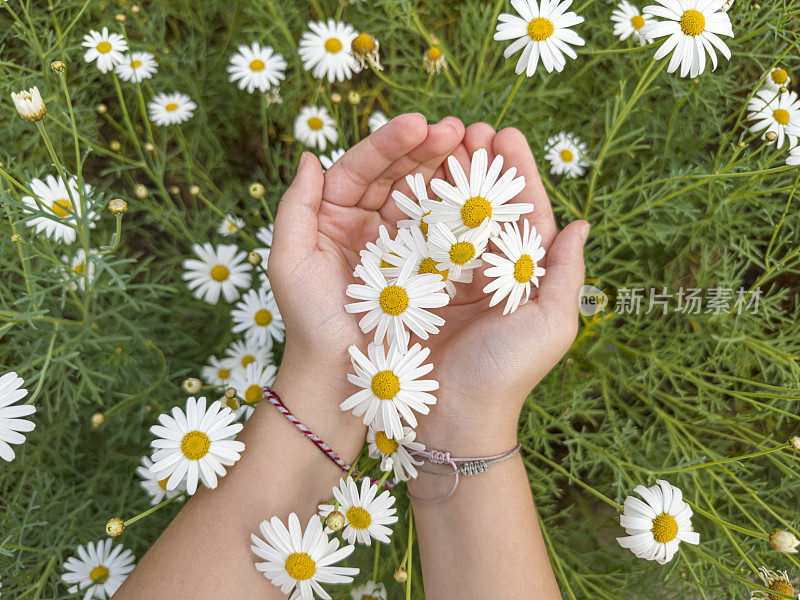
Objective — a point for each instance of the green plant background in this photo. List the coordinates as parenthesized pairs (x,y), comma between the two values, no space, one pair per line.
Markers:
(673,197)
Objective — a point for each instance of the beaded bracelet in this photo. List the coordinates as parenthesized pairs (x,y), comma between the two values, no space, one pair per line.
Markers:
(461,466)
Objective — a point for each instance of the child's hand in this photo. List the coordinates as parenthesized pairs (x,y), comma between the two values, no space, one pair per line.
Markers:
(487,363)
(323,221)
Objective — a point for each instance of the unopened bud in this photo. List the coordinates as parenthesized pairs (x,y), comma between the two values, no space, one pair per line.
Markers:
(102,109)
(58,66)
(192,385)
(115,145)
(115,526)
(794,442)
(194,190)
(257,190)
(117,206)
(335,521)
(120,17)
(336,97)
(174,189)
(140,191)
(353,97)
(15,238)
(230,392)
(771,136)
(400,575)
(98,419)
(254,258)
(783,541)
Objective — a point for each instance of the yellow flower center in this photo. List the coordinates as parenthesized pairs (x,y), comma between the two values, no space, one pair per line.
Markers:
(385,265)
(434,53)
(219,273)
(263,317)
(782,586)
(254,393)
(315,123)
(363,44)
(637,22)
(62,207)
(333,45)
(385,385)
(232,403)
(428,265)
(665,528)
(224,373)
(523,268)
(423,226)
(461,253)
(780,76)
(171,107)
(358,518)
(369,598)
(693,22)
(163,483)
(393,300)
(247,359)
(384,444)
(475,210)
(300,566)
(781,116)
(79,269)
(539,29)
(566,155)
(195,445)
(99,574)
(136,64)
(257,65)
(103,47)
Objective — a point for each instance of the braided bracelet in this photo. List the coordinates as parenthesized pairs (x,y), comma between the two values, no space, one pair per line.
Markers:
(461,466)
(276,401)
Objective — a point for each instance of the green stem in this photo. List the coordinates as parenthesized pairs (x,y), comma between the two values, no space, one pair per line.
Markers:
(508,100)
(152,509)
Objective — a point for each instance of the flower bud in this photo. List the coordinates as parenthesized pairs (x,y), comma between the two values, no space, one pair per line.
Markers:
(353,97)
(194,190)
(771,136)
(230,392)
(98,419)
(15,237)
(58,66)
(336,97)
(29,105)
(174,189)
(257,190)
(335,521)
(400,575)
(140,191)
(120,17)
(192,385)
(254,258)
(115,145)
(783,541)
(115,526)
(149,147)
(102,109)
(117,206)
(794,442)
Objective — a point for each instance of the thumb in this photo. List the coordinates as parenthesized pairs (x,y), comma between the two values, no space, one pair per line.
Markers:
(296,221)
(565,273)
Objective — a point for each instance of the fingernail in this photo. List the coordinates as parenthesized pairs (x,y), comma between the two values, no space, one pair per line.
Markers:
(585,232)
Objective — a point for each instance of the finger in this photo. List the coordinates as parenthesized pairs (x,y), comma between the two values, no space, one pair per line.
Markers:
(560,288)
(511,143)
(477,136)
(443,138)
(296,221)
(350,176)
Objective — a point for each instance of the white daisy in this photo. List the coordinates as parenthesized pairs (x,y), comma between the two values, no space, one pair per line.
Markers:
(257,315)
(57,208)
(394,453)
(693,28)
(136,67)
(99,568)
(566,152)
(775,80)
(256,68)
(29,104)
(369,591)
(170,109)
(484,195)
(243,352)
(777,113)
(517,268)
(230,225)
(393,307)
(376,121)
(11,424)
(80,271)
(297,561)
(249,384)
(264,235)
(315,127)
(410,244)
(378,251)
(365,515)
(325,50)
(629,21)
(417,209)
(195,444)
(156,488)
(327,161)
(217,372)
(221,270)
(658,525)
(543,31)
(457,255)
(391,387)
(776,581)
(794,156)
(105,48)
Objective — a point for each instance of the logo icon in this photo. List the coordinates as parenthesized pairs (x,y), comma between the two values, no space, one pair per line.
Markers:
(592,300)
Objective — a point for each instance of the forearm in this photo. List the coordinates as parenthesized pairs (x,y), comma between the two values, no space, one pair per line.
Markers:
(484,541)
(205,552)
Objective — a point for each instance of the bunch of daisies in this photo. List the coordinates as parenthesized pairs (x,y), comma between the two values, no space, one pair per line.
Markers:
(774,112)
(110,52)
